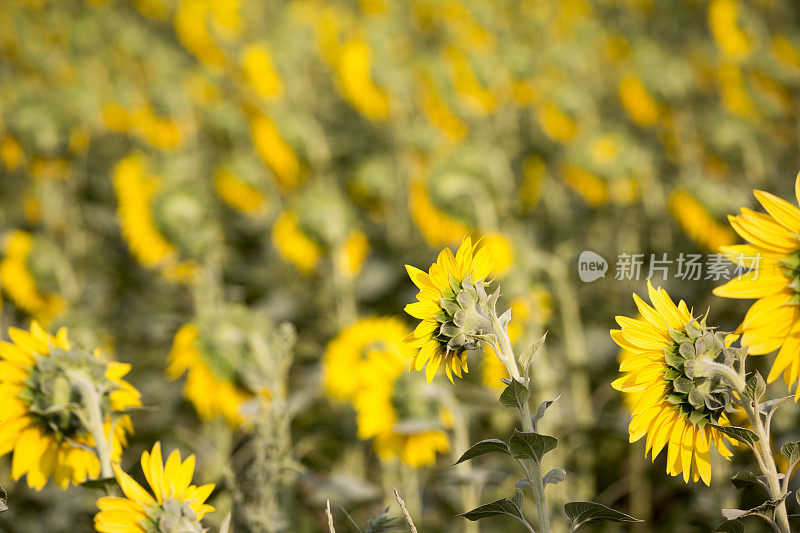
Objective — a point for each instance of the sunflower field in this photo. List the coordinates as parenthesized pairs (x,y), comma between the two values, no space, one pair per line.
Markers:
(399,265)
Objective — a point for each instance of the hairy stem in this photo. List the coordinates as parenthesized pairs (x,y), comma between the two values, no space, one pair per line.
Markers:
(94,421)
(506,355)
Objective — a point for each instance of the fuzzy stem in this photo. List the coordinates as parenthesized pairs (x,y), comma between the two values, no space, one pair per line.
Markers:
(94,422)
(506,355)
(767,463)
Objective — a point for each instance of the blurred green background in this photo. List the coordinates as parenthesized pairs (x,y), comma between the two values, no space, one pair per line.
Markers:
(287,158)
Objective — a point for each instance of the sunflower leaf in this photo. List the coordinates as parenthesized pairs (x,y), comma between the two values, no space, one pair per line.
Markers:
(541,410)
(515,395)
(581,513)
(500,507)
(743,479)
(484,447)
(756,387)
(791,450)
(740,434)
(730,526)
(554,476)
(531,445)
(527,356)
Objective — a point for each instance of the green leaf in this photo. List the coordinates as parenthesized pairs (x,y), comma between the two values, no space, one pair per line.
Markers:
(518,499)
(527,356)
(766,510)
(743,479)
(541,410)
(522,483)
(554,476)
(730,526)
(483,447)
(740,434)
(531,445)
(500,507)
(791,450)
(3,500)
(515,395)
(771,406)
(756,387)
(581,513)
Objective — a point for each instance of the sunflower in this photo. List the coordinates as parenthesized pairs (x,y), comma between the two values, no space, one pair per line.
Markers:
(135,191)
(697,222)
(19,282)
(177,506)
(446,307)
(773,253)
(365,365)
(437,226)
(39,424)
(187,357)
(294,245)
(673,407)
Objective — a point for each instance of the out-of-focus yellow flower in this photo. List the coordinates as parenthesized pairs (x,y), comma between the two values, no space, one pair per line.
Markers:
(116,118)
(722,19)
(374,7)
(605,149)
(477,98)
(436,226)
(56,169)
(533,174)
(525,93)
(237,193)
(365,365)
(294,245)
(624,190)
(697,222)
(175,504)
(191,28)
(275,152)
(32,208)
(159,132)
(351,255)
(259,71)
(79,139)
(227,398)
(355,79)
(555,123)
(11,153)
(135,189)
(640,106)
(38,425)
(501,252)
(786,53)
(437,111)
(226,18)
(19,283)
(468,32)
(734,94)
(590,187)
(154,9)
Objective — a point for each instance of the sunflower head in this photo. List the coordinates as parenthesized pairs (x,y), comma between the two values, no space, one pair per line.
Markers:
(453,307)
(45,419)
(174,504)
(692,386)
(676,373)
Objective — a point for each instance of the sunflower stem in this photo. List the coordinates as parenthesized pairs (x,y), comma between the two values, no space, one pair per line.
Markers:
(506,355)
(767,464)
(94,421)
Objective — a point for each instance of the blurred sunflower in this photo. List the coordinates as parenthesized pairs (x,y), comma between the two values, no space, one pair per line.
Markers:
(773,255)
(436,225)
(238,193)
(135,191)
(673,406)
(42,422)
(177,506)
(445,307)
(294,245)
(365,365)
(207,369)
(697,222)
(19,283)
